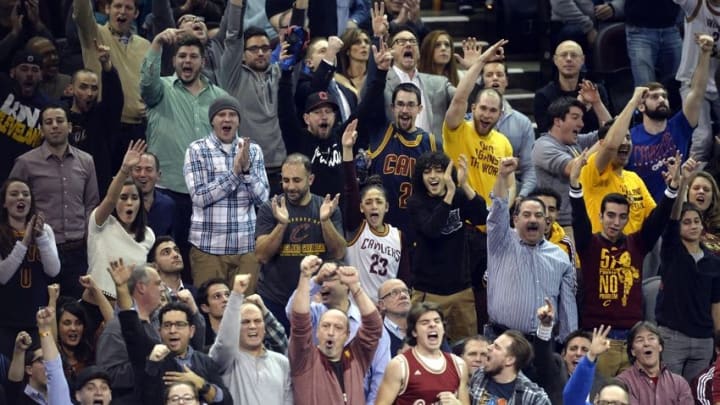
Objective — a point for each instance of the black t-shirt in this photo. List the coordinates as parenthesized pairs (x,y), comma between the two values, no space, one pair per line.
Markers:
(497,392)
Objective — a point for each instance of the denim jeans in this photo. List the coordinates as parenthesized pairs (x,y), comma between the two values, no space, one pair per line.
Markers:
(651,47)
(683,354)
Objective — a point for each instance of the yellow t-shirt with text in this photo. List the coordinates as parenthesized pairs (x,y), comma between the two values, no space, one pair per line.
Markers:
(483,154)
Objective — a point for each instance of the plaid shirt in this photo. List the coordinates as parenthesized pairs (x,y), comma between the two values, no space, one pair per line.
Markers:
(223,217)
(526,391)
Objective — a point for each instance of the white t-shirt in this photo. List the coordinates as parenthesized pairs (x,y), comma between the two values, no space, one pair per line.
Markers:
(109,242)
(375,256)
(705,22)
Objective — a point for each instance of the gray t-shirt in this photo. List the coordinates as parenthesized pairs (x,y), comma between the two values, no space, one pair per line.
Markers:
(550,157)
(303,236)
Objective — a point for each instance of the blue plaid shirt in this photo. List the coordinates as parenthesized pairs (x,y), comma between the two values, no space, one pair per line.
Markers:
(223,217)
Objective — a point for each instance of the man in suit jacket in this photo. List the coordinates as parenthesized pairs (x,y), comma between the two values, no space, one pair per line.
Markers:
(436,91)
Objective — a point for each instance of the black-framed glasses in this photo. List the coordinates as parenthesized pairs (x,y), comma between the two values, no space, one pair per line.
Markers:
(256,48)
(395,292)
(179,325)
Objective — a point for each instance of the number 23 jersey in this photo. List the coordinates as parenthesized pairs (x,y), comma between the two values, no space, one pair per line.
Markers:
(375,255)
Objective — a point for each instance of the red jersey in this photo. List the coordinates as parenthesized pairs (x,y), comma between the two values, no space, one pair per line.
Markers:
(424,384)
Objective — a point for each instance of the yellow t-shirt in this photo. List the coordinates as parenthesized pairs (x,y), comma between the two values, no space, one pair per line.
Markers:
(597,185)
(483,153)
(558,237)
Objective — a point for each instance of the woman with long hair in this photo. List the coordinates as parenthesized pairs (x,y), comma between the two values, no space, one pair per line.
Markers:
(703,192)
(75,341)
(118,226)
(437,58)
(376,248)
(28,260)
(352,60)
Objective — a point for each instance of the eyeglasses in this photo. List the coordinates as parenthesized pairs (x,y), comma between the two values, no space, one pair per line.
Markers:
(604,402)
(178,324)
(395,292)
(405,41)
(256,48)
(190,18)
(401,105)
(571,55)
(220,295)
(185,399)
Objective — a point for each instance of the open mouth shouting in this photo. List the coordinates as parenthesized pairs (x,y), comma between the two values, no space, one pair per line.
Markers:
(433,338)
(408,57)
(127,215)
(174,343)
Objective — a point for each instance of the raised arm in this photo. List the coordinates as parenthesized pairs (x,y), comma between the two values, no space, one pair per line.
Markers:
(226,343)
(580,221)
(507,167)
(85,20)
(351,192)
(231,61)
(589,94)
(58,391)
(458,106)
(331,227)
(655,223)
(618,131)
(132,157)
(578,387)
(308,266)
(151,87)
(698,84)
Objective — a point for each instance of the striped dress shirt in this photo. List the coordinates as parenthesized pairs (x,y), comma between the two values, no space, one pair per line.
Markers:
(223,214)
(520,276)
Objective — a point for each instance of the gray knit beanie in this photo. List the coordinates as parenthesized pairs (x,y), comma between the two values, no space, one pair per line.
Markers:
(223,103)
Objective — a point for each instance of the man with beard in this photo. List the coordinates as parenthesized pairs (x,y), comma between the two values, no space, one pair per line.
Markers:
(394,144)
(63,179)
(331,372)
(569,60)
(127,51)
(320,140)
(195,25)
(226,178)
(648,379)
(95,123)
(660,134)
(21,104)
(169,132)
(611,259)
(524,269)
(436,92)
(336,295)
(53,82)
(515,125)
(478,139)
(254,82)
(424,373)
(394,305)
(165,256)
(484,146)
(605,170)
(558,150)
(288,227)
(243,322)
(160,208)
(501,379)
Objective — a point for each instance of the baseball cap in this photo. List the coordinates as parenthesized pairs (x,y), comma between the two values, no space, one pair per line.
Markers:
(315,100)
(25,56)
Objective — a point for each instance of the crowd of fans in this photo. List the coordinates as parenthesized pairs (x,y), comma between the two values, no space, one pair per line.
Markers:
(244,202)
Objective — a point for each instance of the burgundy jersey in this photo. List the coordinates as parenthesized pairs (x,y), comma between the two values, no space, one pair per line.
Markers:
(422,385)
